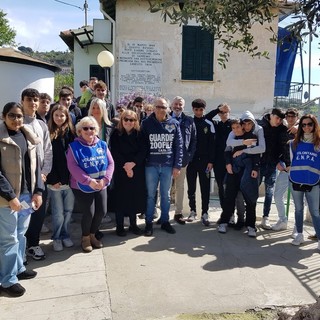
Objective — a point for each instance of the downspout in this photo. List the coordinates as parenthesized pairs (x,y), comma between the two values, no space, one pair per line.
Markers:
(113,96)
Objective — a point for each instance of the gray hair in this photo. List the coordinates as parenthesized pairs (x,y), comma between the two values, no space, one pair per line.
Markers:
(86,120)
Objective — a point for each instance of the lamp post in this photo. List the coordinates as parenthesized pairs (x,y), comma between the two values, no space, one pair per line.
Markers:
(106,60)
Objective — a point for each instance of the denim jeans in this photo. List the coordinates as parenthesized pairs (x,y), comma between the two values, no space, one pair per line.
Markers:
(281,186)
(313,205)
(154,176)
(12,243)
(269,172)
(62,201)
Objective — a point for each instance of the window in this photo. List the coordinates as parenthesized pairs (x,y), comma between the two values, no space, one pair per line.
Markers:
(197,54)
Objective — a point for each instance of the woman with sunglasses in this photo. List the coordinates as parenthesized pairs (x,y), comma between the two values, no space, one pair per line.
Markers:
(305,174)
(129,178)
(21,190)
(91,167)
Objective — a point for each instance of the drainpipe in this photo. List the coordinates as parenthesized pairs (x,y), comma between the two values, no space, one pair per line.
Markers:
(113,96)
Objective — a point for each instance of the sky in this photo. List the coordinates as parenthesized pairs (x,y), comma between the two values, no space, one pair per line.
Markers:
(38,24)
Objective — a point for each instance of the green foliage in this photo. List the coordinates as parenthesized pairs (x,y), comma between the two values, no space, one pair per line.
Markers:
(61,80)
(7,34)
(231,21)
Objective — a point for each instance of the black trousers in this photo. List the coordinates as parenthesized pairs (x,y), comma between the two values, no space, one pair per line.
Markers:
(36,222)
(93,207)
(220,173)
(197,168)
(232,188)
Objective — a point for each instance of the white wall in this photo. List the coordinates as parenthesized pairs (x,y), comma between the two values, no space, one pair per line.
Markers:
(83,58)
(246,84)
(16,77)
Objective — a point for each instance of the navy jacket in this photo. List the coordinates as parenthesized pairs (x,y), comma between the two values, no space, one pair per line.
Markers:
(163,142)
(189,137)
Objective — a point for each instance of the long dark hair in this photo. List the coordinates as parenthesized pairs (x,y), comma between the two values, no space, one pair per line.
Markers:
(315,131)
(56,131)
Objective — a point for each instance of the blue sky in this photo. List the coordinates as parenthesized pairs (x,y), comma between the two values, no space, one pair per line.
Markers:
(38,22)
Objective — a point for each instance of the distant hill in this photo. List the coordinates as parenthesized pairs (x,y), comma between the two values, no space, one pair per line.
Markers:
(59,58)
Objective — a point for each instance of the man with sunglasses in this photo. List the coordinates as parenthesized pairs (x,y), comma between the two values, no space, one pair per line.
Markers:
(163,143)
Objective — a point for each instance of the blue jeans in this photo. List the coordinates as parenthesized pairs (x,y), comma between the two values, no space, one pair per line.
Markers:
(154,176)
(62,201)
(313,205)
(12,243)
(281,186)
(269,172)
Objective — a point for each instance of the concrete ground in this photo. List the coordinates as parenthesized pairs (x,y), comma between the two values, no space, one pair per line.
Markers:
(196,270)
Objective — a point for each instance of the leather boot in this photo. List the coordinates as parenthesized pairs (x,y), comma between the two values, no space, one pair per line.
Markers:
(86,244)
(95,242)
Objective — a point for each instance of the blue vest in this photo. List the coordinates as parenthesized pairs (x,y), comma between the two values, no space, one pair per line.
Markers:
(92,160)
(305,165)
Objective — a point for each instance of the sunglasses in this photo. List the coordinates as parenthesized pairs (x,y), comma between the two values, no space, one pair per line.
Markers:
(129,119)
(88,128)
(309,124)
(14,116)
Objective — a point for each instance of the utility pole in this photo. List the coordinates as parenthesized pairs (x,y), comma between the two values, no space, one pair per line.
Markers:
(84,8)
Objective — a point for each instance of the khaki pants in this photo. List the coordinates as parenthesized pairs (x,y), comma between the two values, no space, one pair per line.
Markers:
(179,190)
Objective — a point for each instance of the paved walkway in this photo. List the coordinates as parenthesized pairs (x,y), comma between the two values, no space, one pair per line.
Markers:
(196,270)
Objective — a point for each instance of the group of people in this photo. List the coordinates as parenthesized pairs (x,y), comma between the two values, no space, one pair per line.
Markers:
(89,153)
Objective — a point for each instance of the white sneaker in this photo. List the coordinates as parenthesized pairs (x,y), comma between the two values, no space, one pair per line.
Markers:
(280,225)
(44,229)
(192,216)
(265,224)
(252,232)
(232,220)
(67,243)
(222,227)
(36,253)
(299,239)
(294,232)
(57,245)
(106,219)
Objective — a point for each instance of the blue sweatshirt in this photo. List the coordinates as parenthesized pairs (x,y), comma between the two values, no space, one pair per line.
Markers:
(163,142)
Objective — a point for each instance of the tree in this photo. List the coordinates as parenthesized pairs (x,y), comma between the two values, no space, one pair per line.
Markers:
(231,21)
(7,34)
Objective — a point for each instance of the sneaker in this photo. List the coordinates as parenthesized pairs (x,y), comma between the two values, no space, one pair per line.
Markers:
(168,227)
(67,243)
(204,220)
(280,225)
(106,219)
(44,229)
(222,227)
(232,222)
(57,245)
(36,253)
(148,231)
(179,218)
(265,224)
(27,274)
(16,290)
(299,239)
(192,216)
(142,216)
(294,232)
(252,232)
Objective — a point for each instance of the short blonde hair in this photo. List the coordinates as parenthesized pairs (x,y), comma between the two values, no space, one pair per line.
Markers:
(148,107)
(87,120)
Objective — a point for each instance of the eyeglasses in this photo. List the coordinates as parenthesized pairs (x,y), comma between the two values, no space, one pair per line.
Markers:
(88,128)
(161,107)
(14,116)
(129,119)
(309,124)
